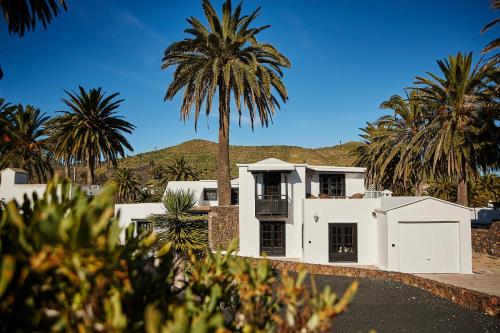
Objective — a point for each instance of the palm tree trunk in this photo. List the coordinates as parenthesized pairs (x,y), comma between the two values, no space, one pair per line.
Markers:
(463,195)
(223,180)
(67,168)
(90,170)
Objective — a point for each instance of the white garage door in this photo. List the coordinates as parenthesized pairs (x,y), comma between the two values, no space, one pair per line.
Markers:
(428,247)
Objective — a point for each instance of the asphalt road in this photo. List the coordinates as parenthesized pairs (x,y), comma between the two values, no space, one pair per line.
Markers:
(389,306)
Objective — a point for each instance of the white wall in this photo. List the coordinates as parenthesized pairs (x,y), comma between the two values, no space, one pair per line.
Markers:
(430,210)
(250,225)
(128,212)
(382,243)
(340,211)
(9,192)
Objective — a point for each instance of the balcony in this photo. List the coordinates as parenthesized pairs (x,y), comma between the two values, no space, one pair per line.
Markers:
(271,205)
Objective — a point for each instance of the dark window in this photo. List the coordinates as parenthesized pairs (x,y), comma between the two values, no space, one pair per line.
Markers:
(343,242)
(272,184)
(272,238)
(210,194)
(234,196)
(332,185)
(143,226)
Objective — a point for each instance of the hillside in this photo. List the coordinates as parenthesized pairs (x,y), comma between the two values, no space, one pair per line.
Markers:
(203,156)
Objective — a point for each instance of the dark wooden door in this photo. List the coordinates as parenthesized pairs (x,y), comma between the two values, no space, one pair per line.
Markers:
(272,238)
(342,242)
(272,184)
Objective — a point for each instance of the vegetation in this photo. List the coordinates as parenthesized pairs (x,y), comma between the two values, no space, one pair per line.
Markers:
(61,269)
(178,169)
(23,15)
(227,58)
(203,154)
(127,185)
(445,129)
(90,130)
(493,45)
(24,139)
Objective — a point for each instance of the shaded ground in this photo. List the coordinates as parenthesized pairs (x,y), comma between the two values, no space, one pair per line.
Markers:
(389,306)
(486,277)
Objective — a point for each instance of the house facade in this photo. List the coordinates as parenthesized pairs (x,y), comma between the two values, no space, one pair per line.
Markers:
(323,214)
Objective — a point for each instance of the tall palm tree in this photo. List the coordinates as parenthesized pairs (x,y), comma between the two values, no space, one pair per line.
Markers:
(23,15)
(226,57)
(495,4)
(390,159)
(57,134)
(179,169)
(127,185)
(93,131)
(458,141)
(27,148)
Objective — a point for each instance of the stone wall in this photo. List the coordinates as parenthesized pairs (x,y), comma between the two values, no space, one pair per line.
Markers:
(487,241)
(467,298)
(223,226)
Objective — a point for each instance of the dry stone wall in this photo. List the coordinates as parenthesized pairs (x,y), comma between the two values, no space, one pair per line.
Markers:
(487,241)
(223,226)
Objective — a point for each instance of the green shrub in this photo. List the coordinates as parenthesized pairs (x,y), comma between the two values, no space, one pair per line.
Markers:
(62,270)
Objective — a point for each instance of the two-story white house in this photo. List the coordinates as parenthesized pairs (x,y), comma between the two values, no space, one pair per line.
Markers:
(323,214)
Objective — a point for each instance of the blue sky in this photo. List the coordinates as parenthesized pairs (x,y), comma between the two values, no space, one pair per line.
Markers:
(347,57)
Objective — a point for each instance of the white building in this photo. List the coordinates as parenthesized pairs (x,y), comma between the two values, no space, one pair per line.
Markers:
(205,195)
(309,213)
(14,184)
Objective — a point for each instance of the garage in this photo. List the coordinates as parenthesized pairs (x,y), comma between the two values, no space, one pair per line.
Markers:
(428,247)
(423,235)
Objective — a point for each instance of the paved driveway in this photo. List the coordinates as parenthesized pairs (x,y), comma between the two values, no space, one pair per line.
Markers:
(389,306)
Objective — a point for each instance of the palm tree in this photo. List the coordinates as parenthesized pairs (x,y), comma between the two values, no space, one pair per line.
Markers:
(179,169)
(127,185)
(27,146)
(443,188)
(5,120)
(57,134)
(91,130)
(391,161)
(23,15)
(495,4)
(488,186)
(459,138)
(226,57)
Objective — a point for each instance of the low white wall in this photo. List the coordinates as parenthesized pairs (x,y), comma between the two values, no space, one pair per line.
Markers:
(430,211)
(17,191)
(128,212)
(339,211)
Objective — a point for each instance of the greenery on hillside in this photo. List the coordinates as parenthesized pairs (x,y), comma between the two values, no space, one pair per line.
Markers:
(202,155)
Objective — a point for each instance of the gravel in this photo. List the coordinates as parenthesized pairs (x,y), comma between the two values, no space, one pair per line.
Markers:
(389,306)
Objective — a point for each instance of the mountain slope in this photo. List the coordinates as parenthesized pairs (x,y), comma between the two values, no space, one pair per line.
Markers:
(202,155)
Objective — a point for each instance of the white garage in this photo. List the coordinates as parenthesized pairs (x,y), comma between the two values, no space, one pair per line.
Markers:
(424,235)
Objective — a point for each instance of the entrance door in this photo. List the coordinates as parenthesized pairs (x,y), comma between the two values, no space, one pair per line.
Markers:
(428,247)
(272,238)
(342,242)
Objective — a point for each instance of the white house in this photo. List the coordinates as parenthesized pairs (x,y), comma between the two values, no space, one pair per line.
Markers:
(205,195)
(323,214)
(14,184)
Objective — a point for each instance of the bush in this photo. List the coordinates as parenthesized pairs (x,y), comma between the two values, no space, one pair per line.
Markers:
(61,269)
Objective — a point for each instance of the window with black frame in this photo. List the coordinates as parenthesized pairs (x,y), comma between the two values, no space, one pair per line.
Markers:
(210,194)
(332,185)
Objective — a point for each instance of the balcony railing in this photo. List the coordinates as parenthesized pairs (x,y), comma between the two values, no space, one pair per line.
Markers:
(271,205)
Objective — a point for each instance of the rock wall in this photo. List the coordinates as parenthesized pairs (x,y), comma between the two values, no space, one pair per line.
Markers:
(223,226)
(487,241)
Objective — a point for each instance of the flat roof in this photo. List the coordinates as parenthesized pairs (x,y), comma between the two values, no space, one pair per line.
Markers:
(332,168)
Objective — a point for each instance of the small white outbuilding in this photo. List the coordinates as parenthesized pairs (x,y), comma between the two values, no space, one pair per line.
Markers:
(423,235)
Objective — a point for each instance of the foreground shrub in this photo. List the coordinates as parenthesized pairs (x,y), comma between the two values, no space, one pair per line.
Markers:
(62,270)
